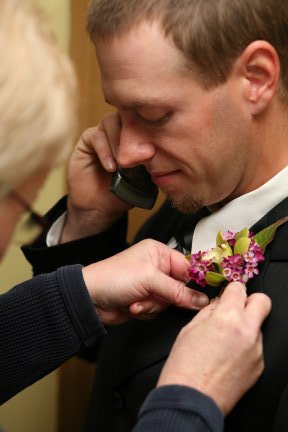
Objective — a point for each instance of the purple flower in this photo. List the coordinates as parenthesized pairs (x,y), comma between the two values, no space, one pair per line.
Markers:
(239,267)
(229,236)
(251,270)
(233,267)
(236,277)
(199,268)
(235,258)
(227,272)
(235,261)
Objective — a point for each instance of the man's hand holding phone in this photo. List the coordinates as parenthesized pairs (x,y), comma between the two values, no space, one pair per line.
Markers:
(91,207)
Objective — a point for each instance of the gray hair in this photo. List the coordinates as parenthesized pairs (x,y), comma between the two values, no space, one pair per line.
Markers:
(37,95)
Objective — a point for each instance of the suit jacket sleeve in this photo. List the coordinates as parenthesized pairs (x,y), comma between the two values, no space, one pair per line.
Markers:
(44,321)
(177,408)
(83,251)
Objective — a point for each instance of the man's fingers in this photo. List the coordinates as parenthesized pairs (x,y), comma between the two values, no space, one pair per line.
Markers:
(258,307)
(111,124)
(102,149)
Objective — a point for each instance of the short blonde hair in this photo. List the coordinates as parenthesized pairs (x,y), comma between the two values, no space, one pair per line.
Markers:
(37,95)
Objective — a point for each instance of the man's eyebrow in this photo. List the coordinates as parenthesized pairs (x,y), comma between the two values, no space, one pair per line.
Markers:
(139,103)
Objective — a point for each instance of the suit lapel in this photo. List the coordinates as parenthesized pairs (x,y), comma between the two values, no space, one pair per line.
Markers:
(150,342)
(278,249)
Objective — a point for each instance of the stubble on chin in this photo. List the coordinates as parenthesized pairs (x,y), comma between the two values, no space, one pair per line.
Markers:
(186,204)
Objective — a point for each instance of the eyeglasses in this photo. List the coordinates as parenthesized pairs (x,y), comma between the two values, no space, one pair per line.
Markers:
(29,227)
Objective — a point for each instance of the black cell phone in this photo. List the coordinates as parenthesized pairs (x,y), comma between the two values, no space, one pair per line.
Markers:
(134,186)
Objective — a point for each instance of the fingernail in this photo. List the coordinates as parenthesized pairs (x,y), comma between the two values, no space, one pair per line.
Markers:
(140,308)
(111,165)
(200,300)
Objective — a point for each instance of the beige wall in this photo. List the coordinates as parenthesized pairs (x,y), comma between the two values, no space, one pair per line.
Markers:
(35,409)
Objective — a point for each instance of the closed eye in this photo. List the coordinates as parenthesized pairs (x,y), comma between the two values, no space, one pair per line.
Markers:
(160,121)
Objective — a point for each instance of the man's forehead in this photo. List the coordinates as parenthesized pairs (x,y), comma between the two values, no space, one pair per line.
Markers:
(145,46)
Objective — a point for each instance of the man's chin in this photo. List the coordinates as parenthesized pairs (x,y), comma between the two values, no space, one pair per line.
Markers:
(185,203)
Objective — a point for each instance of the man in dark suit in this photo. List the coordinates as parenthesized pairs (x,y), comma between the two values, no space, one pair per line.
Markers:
(201,93)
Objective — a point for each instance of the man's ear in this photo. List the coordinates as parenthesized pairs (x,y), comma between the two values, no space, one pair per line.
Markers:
(260,67)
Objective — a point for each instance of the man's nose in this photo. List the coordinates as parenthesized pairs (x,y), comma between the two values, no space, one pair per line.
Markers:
(135,147)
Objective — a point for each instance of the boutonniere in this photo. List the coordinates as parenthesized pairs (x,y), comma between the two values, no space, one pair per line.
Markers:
(235,257)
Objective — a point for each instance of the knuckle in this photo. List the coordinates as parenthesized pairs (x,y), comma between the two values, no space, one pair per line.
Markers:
(179,293)
(242,331)
(147,242)
(233,319)
(90,132)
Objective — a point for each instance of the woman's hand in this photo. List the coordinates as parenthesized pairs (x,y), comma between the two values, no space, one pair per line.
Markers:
(140,282)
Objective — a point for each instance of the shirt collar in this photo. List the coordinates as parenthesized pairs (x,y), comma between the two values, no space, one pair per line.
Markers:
(241,212)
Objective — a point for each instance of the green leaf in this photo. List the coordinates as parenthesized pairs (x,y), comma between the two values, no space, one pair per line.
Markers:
(215,255)
(220,239)
(242,245)
(264,237)
(243,233)
(227,251)
(220,242)
(214,279)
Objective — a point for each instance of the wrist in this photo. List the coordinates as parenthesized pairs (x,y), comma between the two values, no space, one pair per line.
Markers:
(79,224)
(90,281)
(192,380)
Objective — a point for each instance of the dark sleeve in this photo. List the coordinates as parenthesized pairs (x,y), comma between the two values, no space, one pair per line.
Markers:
(44,321)
(178,408)
(84,251)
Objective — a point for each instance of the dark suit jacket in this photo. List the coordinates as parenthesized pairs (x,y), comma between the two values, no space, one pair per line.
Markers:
(131,356)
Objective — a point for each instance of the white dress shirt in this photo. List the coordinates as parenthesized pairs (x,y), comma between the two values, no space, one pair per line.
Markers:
(241,212)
